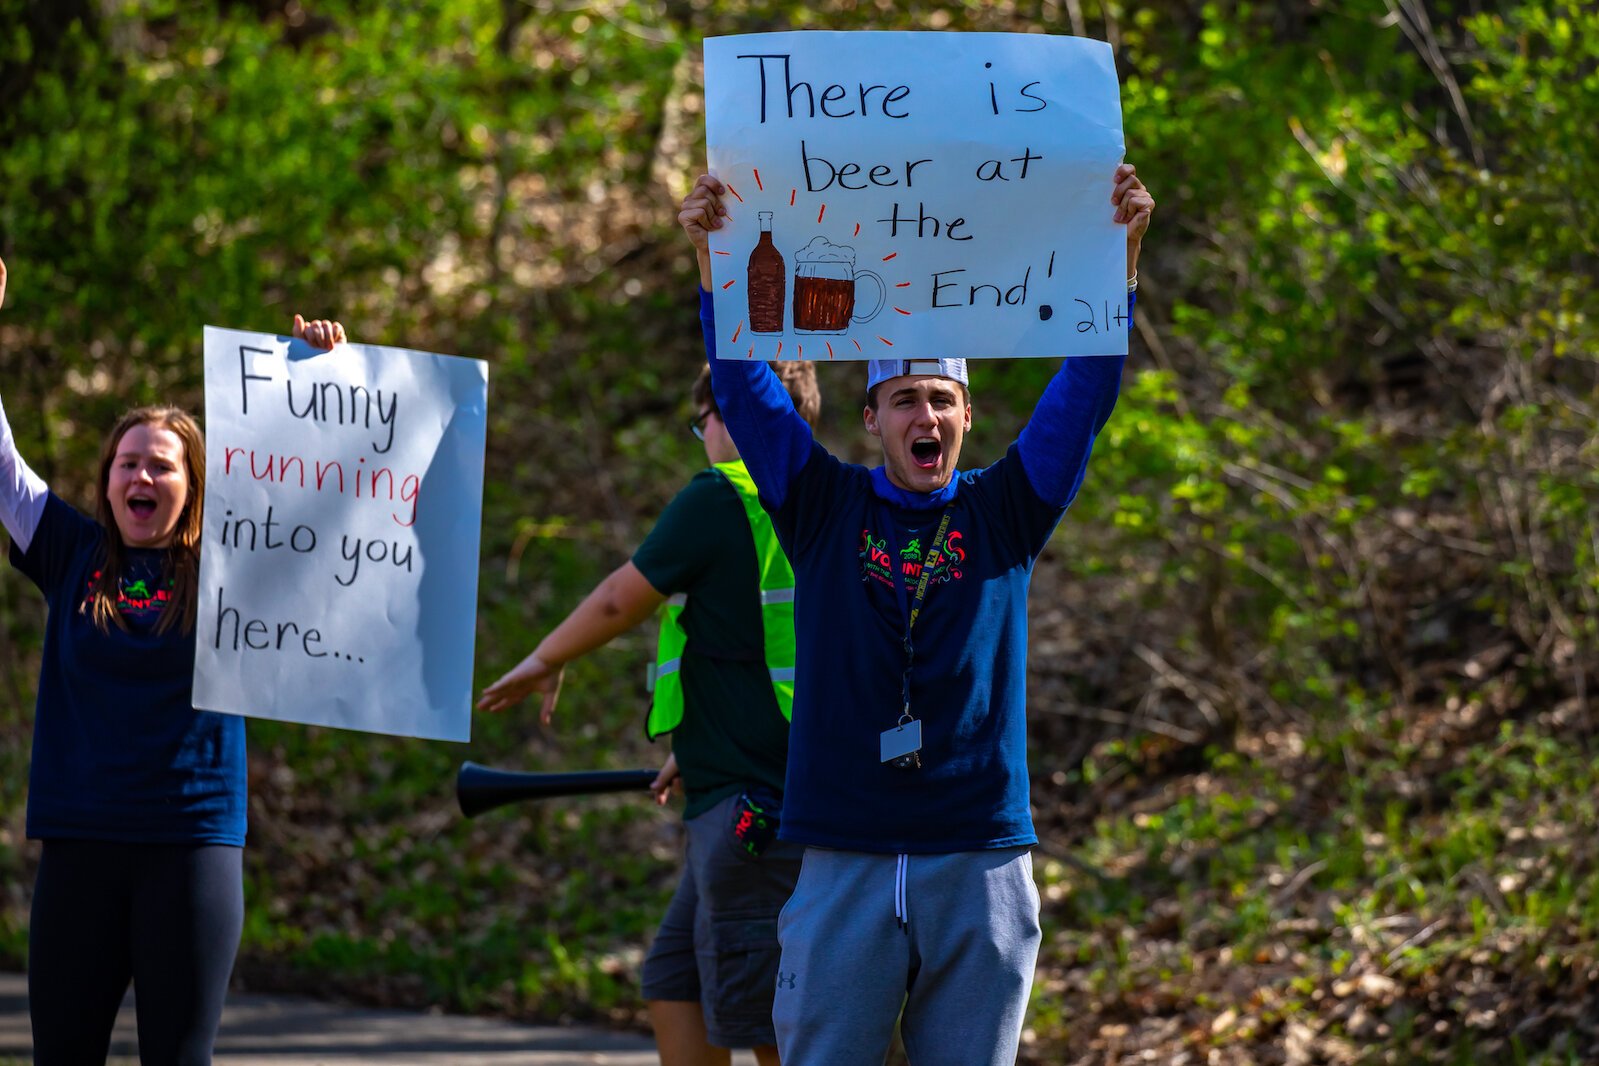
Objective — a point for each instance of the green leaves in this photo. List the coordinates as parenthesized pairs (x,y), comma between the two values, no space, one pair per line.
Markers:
(1343,521)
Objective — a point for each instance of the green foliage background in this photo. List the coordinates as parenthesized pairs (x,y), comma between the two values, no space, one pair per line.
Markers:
(1312,656)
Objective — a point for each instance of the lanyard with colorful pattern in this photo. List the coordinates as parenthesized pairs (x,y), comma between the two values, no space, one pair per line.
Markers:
(933,550)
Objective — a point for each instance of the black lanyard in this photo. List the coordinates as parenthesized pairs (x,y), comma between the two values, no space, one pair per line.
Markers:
(933,551)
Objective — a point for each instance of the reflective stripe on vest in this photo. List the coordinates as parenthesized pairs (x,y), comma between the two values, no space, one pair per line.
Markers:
(777,618)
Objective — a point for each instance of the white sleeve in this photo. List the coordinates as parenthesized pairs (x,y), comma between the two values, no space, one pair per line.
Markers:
(22,492)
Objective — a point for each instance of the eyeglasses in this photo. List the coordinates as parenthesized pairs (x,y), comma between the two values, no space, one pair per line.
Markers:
(696,425)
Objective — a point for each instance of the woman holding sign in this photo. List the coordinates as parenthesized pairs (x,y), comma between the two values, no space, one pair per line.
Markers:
(139,799)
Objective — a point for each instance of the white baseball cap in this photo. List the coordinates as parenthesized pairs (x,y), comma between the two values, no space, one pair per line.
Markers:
(880,370)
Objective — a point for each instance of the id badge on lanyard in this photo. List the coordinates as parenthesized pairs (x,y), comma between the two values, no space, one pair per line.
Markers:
(901,746)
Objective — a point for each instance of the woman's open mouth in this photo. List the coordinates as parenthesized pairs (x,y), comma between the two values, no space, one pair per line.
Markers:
(141,506)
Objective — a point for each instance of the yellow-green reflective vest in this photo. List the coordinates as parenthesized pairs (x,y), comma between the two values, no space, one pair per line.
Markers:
(777,618)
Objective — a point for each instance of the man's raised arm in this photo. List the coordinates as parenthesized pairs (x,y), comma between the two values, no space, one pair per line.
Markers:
(1055,444)
(772,439)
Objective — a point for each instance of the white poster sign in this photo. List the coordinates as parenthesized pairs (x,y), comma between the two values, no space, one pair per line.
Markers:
(338,577)
(915,195)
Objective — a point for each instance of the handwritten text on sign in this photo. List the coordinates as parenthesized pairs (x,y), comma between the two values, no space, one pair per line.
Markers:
(908,195)
(338,578)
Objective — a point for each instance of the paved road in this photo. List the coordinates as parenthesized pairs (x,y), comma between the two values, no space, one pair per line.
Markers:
(294,1031)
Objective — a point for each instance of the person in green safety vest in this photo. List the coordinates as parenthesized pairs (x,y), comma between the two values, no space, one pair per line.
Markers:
(722,686)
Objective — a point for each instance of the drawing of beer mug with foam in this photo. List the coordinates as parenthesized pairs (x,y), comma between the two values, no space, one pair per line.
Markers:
(825,279)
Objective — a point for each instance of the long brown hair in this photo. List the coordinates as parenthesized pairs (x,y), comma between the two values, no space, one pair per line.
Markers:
(182,567)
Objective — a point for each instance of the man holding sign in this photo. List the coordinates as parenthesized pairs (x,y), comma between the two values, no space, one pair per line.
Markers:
(907,773)
(968,171)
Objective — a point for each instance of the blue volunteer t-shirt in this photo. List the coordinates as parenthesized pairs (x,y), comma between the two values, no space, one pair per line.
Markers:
(968,679)
(119,752)
(848,530)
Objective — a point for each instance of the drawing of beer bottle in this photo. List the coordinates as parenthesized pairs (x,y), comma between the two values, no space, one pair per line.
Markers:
(768,278)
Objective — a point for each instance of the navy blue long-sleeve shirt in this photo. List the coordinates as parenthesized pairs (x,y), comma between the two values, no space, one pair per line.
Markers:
(119,751)
(846,529)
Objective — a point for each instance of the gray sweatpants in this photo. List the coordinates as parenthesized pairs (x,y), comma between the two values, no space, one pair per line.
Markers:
(952,939)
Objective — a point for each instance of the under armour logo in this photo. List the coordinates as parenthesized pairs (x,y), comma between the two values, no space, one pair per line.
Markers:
(786,980)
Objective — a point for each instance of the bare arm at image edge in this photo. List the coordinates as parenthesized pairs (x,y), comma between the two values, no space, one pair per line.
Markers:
(623,600)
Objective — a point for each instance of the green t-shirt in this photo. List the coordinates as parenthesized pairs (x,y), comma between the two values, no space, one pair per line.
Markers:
(733,735)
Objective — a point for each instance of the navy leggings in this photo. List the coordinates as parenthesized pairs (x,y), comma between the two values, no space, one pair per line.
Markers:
(166,916)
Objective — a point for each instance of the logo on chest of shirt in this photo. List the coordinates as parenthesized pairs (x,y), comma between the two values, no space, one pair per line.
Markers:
(133,597)
(878,564)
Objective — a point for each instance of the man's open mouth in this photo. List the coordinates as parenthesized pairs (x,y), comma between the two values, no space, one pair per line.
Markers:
(926,452)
